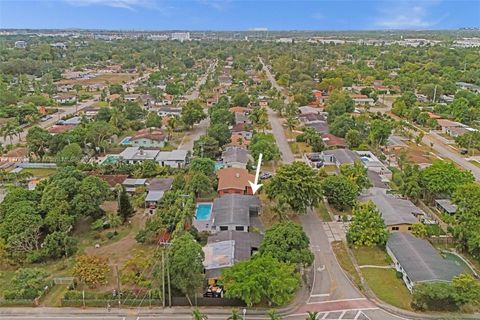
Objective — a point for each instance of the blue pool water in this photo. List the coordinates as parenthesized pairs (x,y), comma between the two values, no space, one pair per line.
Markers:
(125,140)
(203,211)
(110,159)
(218,166)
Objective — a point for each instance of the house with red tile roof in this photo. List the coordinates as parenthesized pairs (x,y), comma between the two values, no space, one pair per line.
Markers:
(234,181)
(60,128)
(333,141)
(238,140)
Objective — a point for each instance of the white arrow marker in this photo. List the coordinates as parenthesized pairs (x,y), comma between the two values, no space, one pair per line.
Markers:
(255,186)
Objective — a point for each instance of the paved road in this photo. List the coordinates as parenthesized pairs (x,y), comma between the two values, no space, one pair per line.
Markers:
(446,151)
(62,112)
(200,128)
(332,292)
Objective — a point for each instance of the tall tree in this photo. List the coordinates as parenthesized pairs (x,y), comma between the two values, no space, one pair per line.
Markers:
(287,242)
(367,227)
(261,279)
(298,184)
(185,259)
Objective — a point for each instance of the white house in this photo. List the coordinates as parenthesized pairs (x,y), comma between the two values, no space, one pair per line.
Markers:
(173,159)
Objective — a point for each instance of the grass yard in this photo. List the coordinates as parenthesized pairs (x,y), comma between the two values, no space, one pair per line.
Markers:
(475,163)
(388,287)
(5,279)
(340,250)
(371,256)
(41,173)
(434,230)
(323,212)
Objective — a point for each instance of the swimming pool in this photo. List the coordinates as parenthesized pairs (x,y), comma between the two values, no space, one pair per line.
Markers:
(126,141)
(219,165)
(203,211)
(110,159)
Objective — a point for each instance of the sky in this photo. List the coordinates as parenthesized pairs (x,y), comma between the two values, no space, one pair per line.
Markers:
(240,14)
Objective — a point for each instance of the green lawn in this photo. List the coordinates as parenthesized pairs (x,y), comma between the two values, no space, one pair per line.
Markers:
(388,287)
(475,162)
(340,250)
(5,280)
(323,212)
(41,173)
(434,230)
(371,256)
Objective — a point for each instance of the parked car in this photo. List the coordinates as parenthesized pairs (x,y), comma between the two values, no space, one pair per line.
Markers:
(266,175)
(45,118)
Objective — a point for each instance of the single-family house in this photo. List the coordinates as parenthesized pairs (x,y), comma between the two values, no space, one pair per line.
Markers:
(398,214)
(16,155)
(165,111)
(173,159)
(234,181)
(452,128)
(362,100)
(233,212)
(243,130)
(131,184)
(112,179)
(372,163)
(319,126)
(445,206)
(242,117)
(65,99)
(332,141)
(55,129)
(156,189)
(149,138)
(152,199)
(238,140)
(236,157)
(226,248)
(419,261)
(339,156)
(133,155)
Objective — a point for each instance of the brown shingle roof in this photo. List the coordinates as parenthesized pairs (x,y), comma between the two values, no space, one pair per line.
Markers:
(234,178)
(149,133)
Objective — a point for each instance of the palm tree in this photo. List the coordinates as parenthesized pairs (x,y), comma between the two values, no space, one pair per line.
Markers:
(273,315)
(281,209)
(312,315)
(235,315)
(197,315)
(291,123)
(114,221)
(10,129)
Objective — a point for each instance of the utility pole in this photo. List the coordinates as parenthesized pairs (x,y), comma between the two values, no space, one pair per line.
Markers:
(434,93)
(168,281)
(163,276)
(118,287)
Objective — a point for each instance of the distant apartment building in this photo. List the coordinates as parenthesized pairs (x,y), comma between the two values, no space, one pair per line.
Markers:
(180,36)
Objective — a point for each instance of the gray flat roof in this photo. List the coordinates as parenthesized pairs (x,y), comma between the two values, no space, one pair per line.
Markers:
(134,182)
(174,155)
(343,156)
(447,205)
(420,260)
(136,153)
(394,210)
(233,209)
(240,155)
(154,196)
(244,244)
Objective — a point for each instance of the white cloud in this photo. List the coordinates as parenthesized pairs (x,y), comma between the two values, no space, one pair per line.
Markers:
(219,5)
(405,15)
(124,4)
